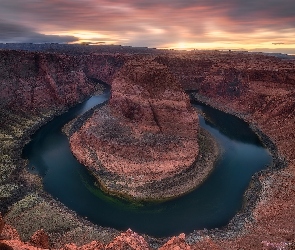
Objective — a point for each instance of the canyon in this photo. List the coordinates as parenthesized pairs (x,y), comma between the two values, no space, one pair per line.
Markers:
(36,86)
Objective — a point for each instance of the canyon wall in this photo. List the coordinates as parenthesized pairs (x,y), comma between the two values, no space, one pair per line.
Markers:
(35,87)
(257,88)
(261,90)
(35,81)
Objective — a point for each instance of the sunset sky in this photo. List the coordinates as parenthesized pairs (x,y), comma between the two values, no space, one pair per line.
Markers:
(262,25)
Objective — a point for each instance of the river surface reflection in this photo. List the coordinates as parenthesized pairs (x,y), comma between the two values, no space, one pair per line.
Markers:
(212,205)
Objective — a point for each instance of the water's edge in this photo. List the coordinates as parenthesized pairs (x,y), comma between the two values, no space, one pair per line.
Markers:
(253,194)
(207,206)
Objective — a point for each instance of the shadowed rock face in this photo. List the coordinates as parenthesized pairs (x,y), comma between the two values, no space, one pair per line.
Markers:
(38,81)
(146,134)
(34,81)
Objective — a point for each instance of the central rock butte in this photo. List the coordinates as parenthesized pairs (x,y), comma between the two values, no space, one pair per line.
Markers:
(143,138)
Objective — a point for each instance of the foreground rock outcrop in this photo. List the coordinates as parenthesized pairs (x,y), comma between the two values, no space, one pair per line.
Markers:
(9,239)
(145,139)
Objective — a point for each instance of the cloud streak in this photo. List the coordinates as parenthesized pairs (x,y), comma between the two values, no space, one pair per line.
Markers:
(153,23)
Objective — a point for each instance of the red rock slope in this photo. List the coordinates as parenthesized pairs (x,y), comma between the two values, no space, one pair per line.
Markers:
(10,240)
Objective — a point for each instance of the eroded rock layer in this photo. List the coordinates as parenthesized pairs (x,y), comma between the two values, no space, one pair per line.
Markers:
(258,88)
(35,82)
(146,134)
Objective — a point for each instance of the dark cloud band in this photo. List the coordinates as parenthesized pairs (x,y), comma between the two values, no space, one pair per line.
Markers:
(11,32)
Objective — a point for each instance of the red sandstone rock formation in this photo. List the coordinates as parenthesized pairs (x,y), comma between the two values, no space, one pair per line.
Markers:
(40,239)
(177,242)
(266,100)
(2,224)
(94,245)
(34,81)
(145,136)
(39,81)
(127,240)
